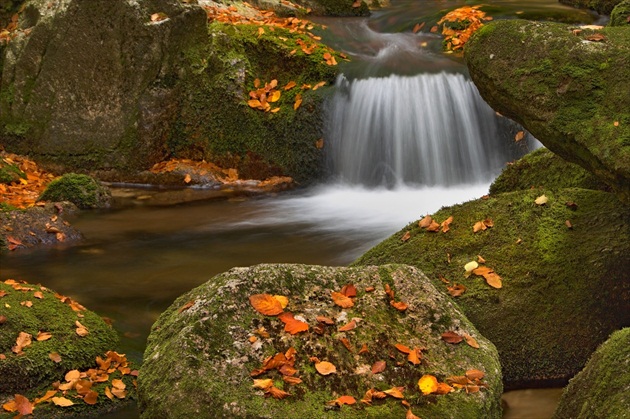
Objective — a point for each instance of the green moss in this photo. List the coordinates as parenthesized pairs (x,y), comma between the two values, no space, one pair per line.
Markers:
(601,389)
(543,169)
(562,288)
(82,190)
(603,7)
(620,15)
(34,369)
(10,173)
(343,8)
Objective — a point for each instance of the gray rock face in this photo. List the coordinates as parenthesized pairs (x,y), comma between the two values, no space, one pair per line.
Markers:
(568,88)
(202,349)
(93,84)
(602,388)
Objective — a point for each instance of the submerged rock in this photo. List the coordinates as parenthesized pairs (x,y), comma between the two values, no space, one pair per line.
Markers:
(567,86)
(602,388)
(564,267)
(203,350)
(28,367)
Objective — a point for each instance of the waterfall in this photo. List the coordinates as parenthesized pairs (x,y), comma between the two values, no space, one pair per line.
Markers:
(428,129)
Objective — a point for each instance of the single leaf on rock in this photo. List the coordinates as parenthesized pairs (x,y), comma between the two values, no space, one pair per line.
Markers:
(55,357)
(406,236)
(298,102)
(480,259)
(325,320)
(49,394)
(263,383)
(72,375)
(290,85)
(108,393)
(62,401)
(456,290)
(22,341)
(451,337)
(350,326)
(443,388)
(341,300)
(266,304)
(474,374)
(410,415)
(349,290)
(433,227)
(471,341)
(41,336)
(446,223)
(427,384)
(493,280)
(23,405)
(399,305)
(295,326)
(91,397)
(414,356)
(275,96)
(276,393)
(389,291)
(291,380)
(38,294)
(81,330)
(479,226)
(402,348)
(378,367)
(541,200)
(346,343)
(425,221)
(342,400)
(364,349)
(254,103)
(284,301)
(519,136)
(325,368)
(396,392)
(186,306)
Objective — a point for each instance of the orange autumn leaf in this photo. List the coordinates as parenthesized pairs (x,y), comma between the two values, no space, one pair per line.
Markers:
(298,102)
(399,305)
(349,290)
(396,392)
(364,349)
(266,304)
(186,306)
(325,368)
(81,330)
(410,415)
(443,388)
(263,383)
(22,341)
(42,336)
(402,348)
(276,393)
(349,400)
(433,227)
(425,222)
(38,294)
(378,367)
(45,397)
(451,337)
(369,289)
(23,405)
(284,301)
(471,341)
(325,320)
(290,85)
(350,326)
(427,384)
(91,397)
(341,300)
(446,223)
(55,357)
(291,380)
(474,374)
(295,326)
(406,236)
(72,375)
(108,393)
(346,343)
(389,291)
(62,401)
(414,356)
(456,290)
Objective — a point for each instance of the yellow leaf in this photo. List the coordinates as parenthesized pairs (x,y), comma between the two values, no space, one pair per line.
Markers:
(284,301)
(254,103)
(298,102)
(471,266)
(187,178)
(62,401)
(541,200)
(263,383)
(395,392)
(290,85)
(275,96)
(427,384)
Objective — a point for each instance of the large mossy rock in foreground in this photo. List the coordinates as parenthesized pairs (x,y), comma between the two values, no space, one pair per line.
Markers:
(570,92)
(543,169)
(602,388)
(34,368)
(202,349)
(82,190)
(93,84)
(564,289)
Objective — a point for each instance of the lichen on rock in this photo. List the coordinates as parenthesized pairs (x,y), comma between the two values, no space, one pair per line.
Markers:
(203,349)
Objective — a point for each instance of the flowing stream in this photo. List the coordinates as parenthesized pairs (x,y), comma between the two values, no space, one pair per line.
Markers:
(407,134)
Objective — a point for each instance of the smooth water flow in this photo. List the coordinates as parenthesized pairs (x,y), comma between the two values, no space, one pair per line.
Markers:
(428,129)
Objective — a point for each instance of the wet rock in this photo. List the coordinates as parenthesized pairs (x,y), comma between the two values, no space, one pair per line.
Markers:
(566,85)
(602,388)
(564,268)
(203,349)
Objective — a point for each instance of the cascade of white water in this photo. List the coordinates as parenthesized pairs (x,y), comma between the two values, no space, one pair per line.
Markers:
(428,129)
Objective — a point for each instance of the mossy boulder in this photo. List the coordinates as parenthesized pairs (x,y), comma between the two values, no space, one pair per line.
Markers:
(202,349)
(82,190)
(602,388)
(565,289)
(568,89)
(543,169)
(603,7)
(93,84)
(620,15)
(216,122)
(31,367)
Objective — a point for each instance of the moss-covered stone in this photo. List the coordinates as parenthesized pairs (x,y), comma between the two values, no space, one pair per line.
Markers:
(603,7)
(564,289)
(217,124)
(620,15)
(10,173)
(568,91)
(34,368)
(543,169)
(93,85)
(82,190)
(199,354)
(602,388)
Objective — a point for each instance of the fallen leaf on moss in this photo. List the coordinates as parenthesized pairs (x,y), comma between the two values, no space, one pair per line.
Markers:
(399,305)
(186,306)
(62,401)
(341,300)
(49,394)
(378,367)
(456,290)
(325,320)
(42,336)
(427,384)
(414,356)
(364,349)
(406,236)
(425,221)
(350,326)
(266,304)
(349,290)
(396,392)
(342,400)
(263,383)
(81,330)
(451,337)
(474,374)
(22,341)
(541,200)
(443,388)
(325,368)
(410,415)
(55,357)
(446,223)
(471,341)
